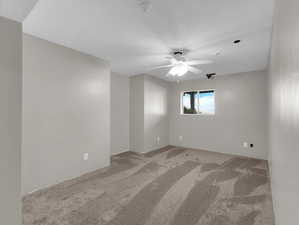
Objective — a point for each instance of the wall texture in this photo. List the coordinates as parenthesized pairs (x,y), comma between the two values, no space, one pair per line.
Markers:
(241,116)
(120,113)
(284,101)
(149,121)
(10,121)
(66,113)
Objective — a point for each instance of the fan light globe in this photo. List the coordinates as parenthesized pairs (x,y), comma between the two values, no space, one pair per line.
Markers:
(179,70)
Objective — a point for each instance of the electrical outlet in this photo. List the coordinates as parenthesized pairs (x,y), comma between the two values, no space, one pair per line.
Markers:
(180,138)
(245,145)
(85,156)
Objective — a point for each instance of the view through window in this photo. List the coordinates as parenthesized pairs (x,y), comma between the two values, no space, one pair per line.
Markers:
(198,102)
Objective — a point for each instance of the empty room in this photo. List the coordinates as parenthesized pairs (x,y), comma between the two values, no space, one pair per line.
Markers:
(149,112)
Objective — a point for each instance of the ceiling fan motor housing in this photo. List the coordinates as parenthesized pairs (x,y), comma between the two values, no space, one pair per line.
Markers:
(178,53)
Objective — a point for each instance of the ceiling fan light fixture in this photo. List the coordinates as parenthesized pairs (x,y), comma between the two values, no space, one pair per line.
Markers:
(179,70)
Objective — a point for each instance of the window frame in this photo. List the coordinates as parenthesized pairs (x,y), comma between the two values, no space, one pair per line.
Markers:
(197,114)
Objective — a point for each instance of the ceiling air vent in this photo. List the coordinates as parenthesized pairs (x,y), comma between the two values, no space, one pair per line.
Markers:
(211,76)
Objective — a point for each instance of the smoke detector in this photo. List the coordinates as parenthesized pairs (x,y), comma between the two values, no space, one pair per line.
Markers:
(145,5)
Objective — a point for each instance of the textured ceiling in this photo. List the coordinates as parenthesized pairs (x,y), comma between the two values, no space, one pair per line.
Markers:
(137,35)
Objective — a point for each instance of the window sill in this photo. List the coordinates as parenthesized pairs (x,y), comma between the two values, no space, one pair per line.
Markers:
(205,114)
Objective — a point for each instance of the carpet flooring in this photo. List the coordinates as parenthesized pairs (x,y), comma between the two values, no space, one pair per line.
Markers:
(170,186)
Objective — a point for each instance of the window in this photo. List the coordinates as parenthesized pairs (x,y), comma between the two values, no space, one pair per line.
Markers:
(198,102)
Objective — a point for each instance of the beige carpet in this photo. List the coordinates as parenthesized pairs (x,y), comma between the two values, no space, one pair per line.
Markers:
(172,186)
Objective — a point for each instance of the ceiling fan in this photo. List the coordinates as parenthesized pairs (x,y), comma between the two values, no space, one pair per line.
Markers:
(180,65)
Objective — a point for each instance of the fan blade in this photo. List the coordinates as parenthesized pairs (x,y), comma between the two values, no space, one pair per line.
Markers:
(193,69)
(165,66)
(168,74)
(198,62)
(169,57)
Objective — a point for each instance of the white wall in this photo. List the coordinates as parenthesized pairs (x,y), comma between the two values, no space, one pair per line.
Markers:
(137,113)
(241,115)
(120,113)
(284,124)
(10,121)
(156,119)
(148,113)
(66,113)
